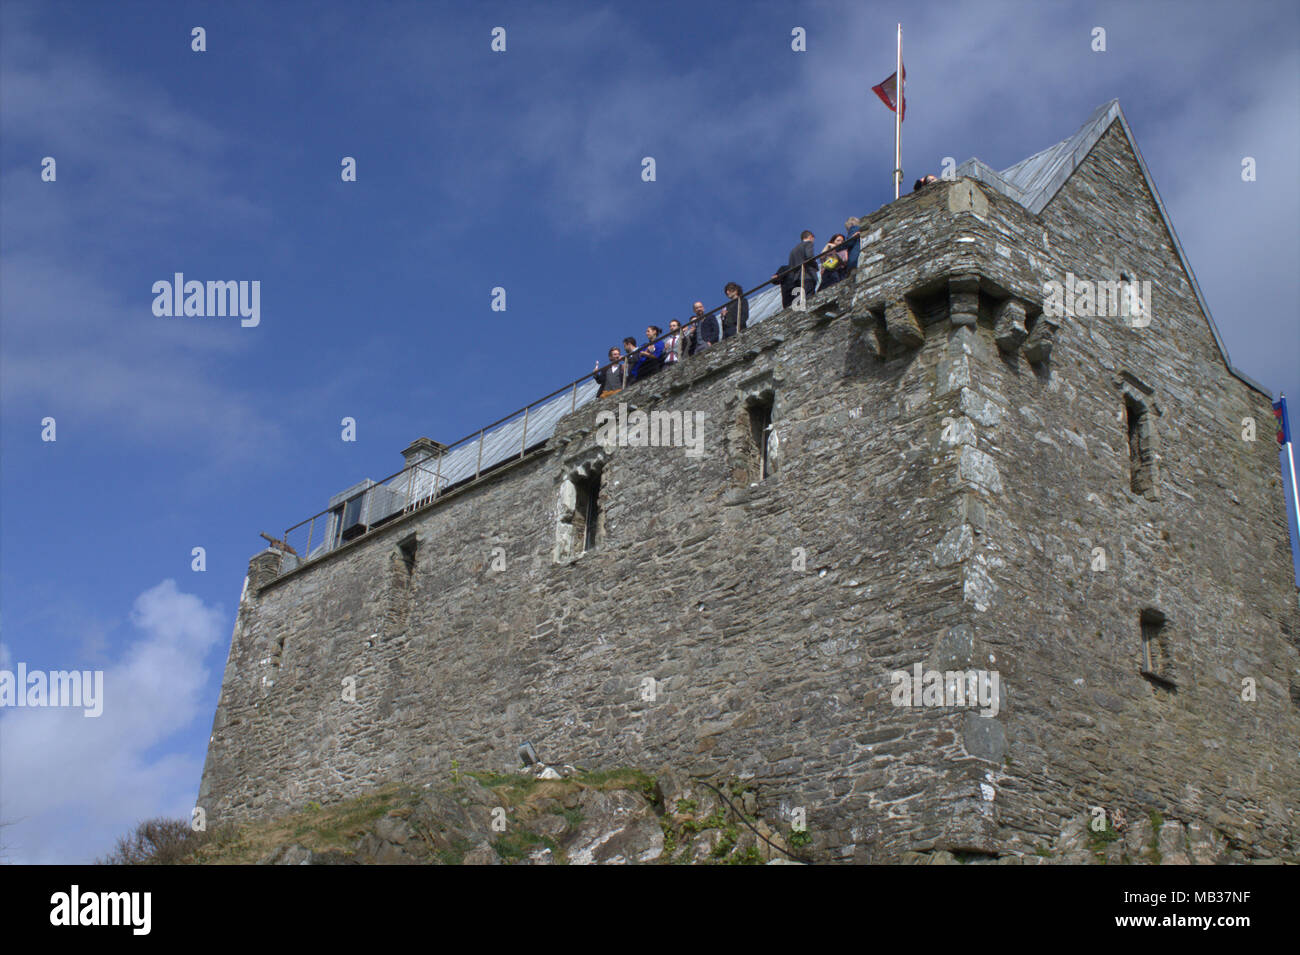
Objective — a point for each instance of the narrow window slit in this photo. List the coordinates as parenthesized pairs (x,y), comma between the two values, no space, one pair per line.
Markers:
(1141,452)
(586,513)
(1157,664)
(759,464)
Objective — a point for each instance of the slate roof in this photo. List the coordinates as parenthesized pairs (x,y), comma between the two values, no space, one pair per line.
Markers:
(1035,181)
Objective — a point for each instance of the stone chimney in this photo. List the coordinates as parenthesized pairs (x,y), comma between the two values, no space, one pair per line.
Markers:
(264,568)
(422,449)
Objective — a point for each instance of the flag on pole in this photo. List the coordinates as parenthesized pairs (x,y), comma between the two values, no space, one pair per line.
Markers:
(1283,421)
(893,93)
(888,93)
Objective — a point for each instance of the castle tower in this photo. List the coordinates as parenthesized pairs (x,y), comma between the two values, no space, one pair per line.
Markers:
(947,462)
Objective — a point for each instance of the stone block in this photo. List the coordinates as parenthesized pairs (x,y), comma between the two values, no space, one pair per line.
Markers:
(955,547)
(903,324)
(977,468)
(984,737)
(965,196)
(955,649)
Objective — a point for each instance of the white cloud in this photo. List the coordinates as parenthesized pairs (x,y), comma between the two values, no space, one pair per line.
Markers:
(71,784)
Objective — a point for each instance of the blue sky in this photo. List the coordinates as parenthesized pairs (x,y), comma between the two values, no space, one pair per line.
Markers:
(475,170)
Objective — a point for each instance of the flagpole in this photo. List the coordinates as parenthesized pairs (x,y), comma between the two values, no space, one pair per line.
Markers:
(1290,460)
(1295,493)
(1293,505)
(898,118)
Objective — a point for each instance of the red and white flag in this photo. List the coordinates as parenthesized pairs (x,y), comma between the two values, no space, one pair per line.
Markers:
(888,93)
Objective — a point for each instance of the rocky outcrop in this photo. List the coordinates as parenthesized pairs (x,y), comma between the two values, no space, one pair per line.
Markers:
(553,815)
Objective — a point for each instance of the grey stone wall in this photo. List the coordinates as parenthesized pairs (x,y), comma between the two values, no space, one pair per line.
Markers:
(946,495)
(1208,548)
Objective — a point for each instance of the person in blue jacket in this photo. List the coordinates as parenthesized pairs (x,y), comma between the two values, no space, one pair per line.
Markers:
(851,225)
(651,358)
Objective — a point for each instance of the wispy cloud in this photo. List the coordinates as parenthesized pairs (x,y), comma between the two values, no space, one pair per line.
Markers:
(133,167)
(131,158)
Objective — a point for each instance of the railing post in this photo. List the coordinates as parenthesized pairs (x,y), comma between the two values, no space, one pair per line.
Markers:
(478,468)
(410,484)
(306,555)
(573,405)
(437,476)
(523,443)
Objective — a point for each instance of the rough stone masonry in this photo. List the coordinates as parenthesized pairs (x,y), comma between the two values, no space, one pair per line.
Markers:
(954,479)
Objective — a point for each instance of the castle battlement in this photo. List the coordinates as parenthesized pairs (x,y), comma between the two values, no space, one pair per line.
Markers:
(941,463)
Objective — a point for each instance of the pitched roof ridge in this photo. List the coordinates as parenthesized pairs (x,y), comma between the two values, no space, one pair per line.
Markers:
(1035,180)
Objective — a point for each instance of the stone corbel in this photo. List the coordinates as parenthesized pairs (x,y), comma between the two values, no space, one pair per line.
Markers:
(1038,346)
(903,325)
(1009,326)
(963,300)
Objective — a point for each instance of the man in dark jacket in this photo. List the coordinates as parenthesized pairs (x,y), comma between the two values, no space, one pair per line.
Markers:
(707,330)
(633,358)
(802,260)
(612,379)
(736,315)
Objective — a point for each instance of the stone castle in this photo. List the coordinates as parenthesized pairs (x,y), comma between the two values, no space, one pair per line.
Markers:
(932,463)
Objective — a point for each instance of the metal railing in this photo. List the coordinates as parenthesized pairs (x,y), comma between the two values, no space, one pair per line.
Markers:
(415,485)
(420,483)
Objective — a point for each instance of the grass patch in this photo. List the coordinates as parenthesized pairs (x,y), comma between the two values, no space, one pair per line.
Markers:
(572,817)
(623,778)
(725,844)
(670,837)
(511,788)
(747,856)
(1098,839)
(493,780)
(516,845)
(315,826)
(455,853)
(1157,821)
